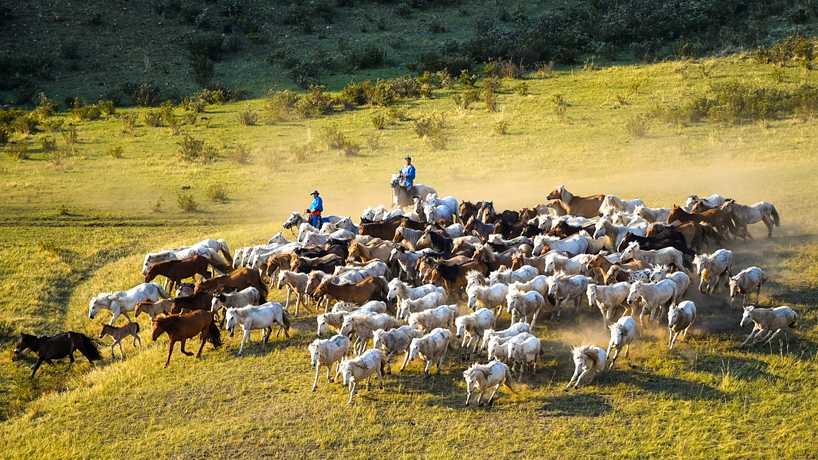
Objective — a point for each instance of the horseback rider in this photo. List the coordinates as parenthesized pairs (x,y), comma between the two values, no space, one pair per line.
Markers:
(407,177)
(315,209)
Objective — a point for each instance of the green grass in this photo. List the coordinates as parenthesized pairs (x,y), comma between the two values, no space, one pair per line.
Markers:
(706,399)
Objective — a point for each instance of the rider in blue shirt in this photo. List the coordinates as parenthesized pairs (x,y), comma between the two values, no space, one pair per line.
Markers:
(407,175)
(315,210)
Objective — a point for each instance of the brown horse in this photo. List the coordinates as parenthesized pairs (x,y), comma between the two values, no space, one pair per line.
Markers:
(275,263)
(493,259)
(466,210)
(374,288)
(235,281)
(475,226)
(183,326)
(325,264)
(719,219)
(585,206)
(385,230)
(177,270)
(201,300)
(452,275)
(56,347)
(519,259)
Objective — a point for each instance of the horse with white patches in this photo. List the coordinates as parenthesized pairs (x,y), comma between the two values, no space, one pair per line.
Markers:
(711,268)
(366,365)
(709,202)
(481,378)
(431,348)
(679,319)
(615,233)
(589,361)
(609,299)
(747,215)
(247,296)
(623,332)
(470,328)
(398,290)
(258,317)
(507,276)
(768,322)
(681,279)
(335,318)
(745,282)
(654,296)
(438,317)
(555,262)
(498,346)
(121,302)
(326,353)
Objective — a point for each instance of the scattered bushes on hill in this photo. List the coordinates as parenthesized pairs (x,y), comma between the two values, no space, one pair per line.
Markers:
(186,202)
(314,103)
(431,128)
(217,193)
(152,118)
(143,94)
(248,117)
(128,123)
(18,151)
(280,105)
(793,48)
(335,139)
(195,150)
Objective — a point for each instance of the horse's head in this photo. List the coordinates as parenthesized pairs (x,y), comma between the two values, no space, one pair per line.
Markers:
(100,302)
(345,371)
(294,220)
(157,327)
(379,339)
(230,320)
(747,316)
(635,292)
(26,342)
(735,289)
(346,325)
(556,194)
(395,181)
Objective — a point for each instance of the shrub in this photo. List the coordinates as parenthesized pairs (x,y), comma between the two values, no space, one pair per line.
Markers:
(545,70)
(368,57)
(217,193)
(116,152)
(313,104)
(45,106)
(128,123)
(106,107)
(18,151)
(87,113)
(70,135)
(501,127)
(186,202)
(193,104)
(795,47)
(637,126)
(431,129)
(143,94)
(195,150)
(560,105)
(355,93)
(280,104)
(152,118)
(522,89)
(332,137)
(241,154)
(48,144)
(4,135)
(24,124)
(466,98)
(248,117)
(382,94)
(374,141)
(379,120)
(201,67)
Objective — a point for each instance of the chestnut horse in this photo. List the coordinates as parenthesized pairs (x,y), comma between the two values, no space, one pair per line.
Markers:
(374,288)
(177,270)
(236,280)
(183,326)
(719,219)
(585,206)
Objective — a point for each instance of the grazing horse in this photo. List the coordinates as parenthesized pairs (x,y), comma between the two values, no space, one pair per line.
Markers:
(177,270)
(56,347)
(401,197)
(238,279)
(746,215)
(183,326)
(585,206)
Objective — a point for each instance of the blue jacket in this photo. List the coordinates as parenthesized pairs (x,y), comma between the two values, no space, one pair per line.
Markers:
(408,173)
(316,205)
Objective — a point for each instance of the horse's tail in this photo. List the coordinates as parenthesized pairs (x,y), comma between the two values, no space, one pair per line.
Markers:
(285,318)
(774,213)
(213,335)
(508,383)
(262,290)
(85,345)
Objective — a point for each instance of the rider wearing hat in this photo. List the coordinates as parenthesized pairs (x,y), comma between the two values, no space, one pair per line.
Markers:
(407,176)
(315,209)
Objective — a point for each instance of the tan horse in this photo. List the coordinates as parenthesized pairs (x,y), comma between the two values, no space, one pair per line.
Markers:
(374,288)
(585,206)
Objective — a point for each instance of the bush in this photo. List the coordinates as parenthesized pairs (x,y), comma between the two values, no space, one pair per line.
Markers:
(431,129)
(18,151)
(106,107)
(116,152)
(48,144)
(186,202)
(143,94)
(24,124)
(248,117)
(193,104)
(368,57)
(501,127)
(355,93)
(128,123)
(374,141)
(201,67)
(466,98)
(437,27)
(522,89)
(560,105)
(334,139)
(792,48)
(217,193)
(637,126)
(87,113)
(382,94)
(70,135)
(280,105)
(152,118)
(313,104)
(4,135)
(195,150)
(380,120)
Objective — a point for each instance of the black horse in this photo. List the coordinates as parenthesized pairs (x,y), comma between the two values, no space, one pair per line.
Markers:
(57,347)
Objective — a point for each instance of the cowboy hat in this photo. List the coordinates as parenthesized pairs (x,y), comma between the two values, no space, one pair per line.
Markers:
(314,192)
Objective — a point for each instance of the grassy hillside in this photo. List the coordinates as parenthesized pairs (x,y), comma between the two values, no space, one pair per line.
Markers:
(79,218)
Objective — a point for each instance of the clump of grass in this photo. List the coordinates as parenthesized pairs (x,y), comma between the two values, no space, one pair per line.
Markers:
(128,123)
(70,135)
(637,126)
(217,193)
(187,202)
(560,106)
(501,127)
(522,89)
(18,151)
(465,99)
(248,117)
(48,144)
(280,105)
(304,152)
(116,152)
(335,139)
(545,70)
(374,141)
(431,128)
(152,118)
(380,120)
(195,150)
(240,153)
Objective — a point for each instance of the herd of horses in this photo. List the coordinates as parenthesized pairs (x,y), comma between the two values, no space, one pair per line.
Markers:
(398,276)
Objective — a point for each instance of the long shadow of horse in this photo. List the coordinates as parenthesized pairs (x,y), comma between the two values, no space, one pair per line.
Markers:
(575,404)
(670,387)
(743,368)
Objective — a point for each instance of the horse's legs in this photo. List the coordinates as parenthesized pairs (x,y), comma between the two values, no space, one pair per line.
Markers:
(287,302)
(750,336)
(112,350)
(297,302)
(426,372)
(203,338)
(267,332)
(187,353)
(315,381)
(769,225)
(36,366)
(352,389)
(244,337)
(121,351)
(170,351)
(627,349)
(758,292)
(137,339)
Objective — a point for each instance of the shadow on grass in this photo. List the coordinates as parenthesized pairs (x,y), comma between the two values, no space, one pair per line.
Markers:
(575,405)
(670,387)
(742,368)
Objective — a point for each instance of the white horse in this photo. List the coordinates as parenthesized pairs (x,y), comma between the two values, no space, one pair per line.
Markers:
(431,348)
(615,233)
(438,317)
(521,305)
(428,301)
(401,197)
(608,298)
(214,250)
(524,353)
(492,296)
(520,275)
(258,317)
(713,201)
(654,296)
(589,361)
(679,319)
(614,203)
(745,282)
(652,214)
(398,290)
(481,378)
(511,331)
(572,246)
(664,256)
(326,353)
(748,215)
(363,367)
(437,210)
(121,302)
(568,288)
(470,328)
(623,332)
(768,322)
(712,268)
(394,341)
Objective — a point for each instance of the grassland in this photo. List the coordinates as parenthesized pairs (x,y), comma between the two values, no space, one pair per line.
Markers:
(80,226)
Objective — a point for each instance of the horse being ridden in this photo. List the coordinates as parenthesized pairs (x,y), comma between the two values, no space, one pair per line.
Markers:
(315,209)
